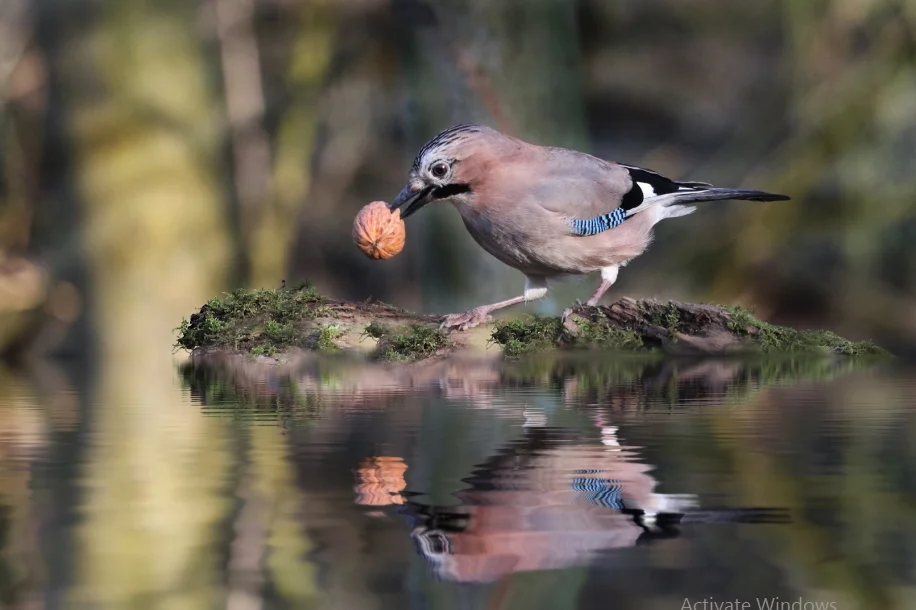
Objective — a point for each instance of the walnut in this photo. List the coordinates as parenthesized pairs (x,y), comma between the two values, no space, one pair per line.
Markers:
(378,231)
(380,481)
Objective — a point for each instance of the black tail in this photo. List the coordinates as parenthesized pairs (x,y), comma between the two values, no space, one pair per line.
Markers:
(738,515)
(678,202)
(668,525)
(720,194)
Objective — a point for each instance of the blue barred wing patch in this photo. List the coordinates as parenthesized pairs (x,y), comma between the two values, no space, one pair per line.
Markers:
(602,492)
(598,224)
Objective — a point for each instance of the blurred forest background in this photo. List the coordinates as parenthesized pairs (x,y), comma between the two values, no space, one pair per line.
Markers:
(156,152)
(153,154)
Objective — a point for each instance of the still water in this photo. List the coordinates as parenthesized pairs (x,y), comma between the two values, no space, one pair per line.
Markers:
(585,481)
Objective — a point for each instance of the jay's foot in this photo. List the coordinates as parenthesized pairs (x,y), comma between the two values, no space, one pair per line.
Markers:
(466,320)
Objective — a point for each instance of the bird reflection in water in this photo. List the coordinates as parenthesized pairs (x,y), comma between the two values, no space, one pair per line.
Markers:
(549,501)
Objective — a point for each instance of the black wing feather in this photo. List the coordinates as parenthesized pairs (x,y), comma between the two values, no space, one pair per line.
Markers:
(659,184)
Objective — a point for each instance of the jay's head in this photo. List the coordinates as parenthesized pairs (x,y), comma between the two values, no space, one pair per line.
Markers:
(446,167)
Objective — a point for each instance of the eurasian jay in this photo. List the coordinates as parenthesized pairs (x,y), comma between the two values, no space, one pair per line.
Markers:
(546,211)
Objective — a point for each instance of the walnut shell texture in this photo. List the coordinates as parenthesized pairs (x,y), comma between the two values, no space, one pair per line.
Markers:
(380,481)
(378,231)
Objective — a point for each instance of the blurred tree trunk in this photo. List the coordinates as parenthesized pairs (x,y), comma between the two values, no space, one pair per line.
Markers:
(136,107)
(354,157)
(244,101)
(270,548)
(275,226)
(513,65)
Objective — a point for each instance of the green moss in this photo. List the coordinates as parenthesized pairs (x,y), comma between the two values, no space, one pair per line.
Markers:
(270,322)
(407,344)
(771,338)
(601,333)
(326,337)
(539,333)
(255,321)
(521,336)
(596,329)
(377,330)
(666,315)
(264,350)
(279,333)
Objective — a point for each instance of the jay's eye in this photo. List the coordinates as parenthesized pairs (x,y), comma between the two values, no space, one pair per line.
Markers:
(439,169)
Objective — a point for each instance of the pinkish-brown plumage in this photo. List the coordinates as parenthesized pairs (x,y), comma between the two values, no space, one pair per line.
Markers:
(555,506)
(548,211)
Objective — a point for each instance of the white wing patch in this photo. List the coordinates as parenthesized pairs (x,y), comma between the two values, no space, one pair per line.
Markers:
(647,190)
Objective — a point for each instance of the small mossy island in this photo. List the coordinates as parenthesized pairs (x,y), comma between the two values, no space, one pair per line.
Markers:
(272,323)
(275,323)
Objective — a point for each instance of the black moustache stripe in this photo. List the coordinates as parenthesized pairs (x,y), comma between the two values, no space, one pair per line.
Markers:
(450,190)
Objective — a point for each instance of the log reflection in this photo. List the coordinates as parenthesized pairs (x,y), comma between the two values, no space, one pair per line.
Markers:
(623,382)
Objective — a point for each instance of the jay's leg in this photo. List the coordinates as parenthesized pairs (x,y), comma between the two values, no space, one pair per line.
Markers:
(478,315)
(535,288)
(608,277)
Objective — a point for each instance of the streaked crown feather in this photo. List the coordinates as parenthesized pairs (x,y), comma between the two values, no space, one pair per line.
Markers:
(444,138)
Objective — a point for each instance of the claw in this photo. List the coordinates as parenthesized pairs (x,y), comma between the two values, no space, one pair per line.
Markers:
(465,321)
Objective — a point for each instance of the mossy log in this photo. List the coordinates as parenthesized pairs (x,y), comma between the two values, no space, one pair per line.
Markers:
(277,323)
(700,328)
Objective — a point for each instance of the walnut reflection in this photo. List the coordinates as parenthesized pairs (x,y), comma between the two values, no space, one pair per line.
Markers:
(380,481)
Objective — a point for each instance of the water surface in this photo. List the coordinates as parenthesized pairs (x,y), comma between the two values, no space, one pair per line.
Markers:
(589,481)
